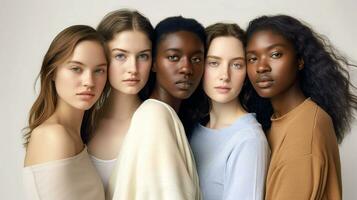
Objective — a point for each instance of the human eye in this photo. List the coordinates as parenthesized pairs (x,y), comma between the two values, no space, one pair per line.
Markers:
(237,65)
(100,70)
(212,63)
(173,58)
(76,69)
(251,59)
(276,54)
(195,60)
(120,56)
(144,56)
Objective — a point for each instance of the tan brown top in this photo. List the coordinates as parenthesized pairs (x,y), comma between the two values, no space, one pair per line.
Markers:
(305,162)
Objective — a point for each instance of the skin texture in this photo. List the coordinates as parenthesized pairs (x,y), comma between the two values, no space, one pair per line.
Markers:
(129,69)
(225,69)
(80,80)
(273,70)
(130,61)
(223,79)
(179,66)
(59,136)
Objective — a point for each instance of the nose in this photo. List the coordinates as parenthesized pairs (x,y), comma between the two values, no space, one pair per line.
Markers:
(263,66)
(186,66)
(88,79)
(224,74)
(132,66)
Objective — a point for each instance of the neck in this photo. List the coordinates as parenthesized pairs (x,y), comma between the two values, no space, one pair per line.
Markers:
(287,101)
(120,106)
(224,114)
(161,95)
(69,117)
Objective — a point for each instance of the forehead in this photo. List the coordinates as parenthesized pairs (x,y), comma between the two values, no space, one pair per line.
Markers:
(181,40)
(226,46)
(266,38)
(89,53)
(130,39)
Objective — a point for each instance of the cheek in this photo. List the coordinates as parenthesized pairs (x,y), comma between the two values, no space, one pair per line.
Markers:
(199,70)
(100,81)
(115,68)
(208,77)
(286,72)
(239,77)
(144,68)
(251,73)
(114,73)
(65,80)
(165,71)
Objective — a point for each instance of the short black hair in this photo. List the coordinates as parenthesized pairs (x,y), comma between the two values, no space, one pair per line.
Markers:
(176,24)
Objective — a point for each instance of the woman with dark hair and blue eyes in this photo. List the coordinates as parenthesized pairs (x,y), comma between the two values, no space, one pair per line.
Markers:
(155,160)
(302,97)
(229,145)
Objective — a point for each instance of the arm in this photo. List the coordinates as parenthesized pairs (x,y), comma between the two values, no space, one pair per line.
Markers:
(246,170)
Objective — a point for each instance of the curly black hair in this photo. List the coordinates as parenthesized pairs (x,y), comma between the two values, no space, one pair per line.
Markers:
(324,78)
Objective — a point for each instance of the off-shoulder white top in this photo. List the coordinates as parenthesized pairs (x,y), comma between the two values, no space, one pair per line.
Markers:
(73,178)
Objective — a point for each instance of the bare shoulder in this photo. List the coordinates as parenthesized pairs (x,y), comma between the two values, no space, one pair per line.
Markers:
(49,142)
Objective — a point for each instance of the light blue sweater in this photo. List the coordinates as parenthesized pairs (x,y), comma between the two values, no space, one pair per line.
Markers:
(232,162)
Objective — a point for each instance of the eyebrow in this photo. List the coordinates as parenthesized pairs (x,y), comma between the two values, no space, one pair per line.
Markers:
(270,47)
(218,58)
(178,50)
(123,50)
(80,63)
(75,62)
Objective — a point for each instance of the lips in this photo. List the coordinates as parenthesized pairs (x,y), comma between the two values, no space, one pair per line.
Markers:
(184,84)
(264,81)
(131,81)
(222,89)
(86,95)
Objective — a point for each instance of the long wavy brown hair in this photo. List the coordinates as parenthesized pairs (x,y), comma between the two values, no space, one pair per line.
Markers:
(59,51)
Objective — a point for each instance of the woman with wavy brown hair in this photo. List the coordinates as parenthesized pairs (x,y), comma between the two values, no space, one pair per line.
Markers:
(73,76)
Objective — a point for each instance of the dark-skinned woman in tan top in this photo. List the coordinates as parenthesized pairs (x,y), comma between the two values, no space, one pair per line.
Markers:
(303,100)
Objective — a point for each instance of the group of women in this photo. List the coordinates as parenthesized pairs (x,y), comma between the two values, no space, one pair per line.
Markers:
(128,111)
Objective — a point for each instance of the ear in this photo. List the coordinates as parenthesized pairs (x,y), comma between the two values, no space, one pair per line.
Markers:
(300,64)
(153,68)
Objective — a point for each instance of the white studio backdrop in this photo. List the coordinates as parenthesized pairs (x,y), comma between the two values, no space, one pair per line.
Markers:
(28,27)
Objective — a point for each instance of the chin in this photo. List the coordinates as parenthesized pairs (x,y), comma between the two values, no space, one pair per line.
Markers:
(84,106)
(185,95)
(264,94)
(223,100)
(130,91)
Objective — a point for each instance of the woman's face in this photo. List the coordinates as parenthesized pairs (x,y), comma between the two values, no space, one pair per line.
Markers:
(225,69)
(80,80)
(130,61)
(272,64)
(179,64)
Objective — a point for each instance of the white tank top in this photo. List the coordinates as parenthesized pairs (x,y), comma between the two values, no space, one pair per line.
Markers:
(104,169)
